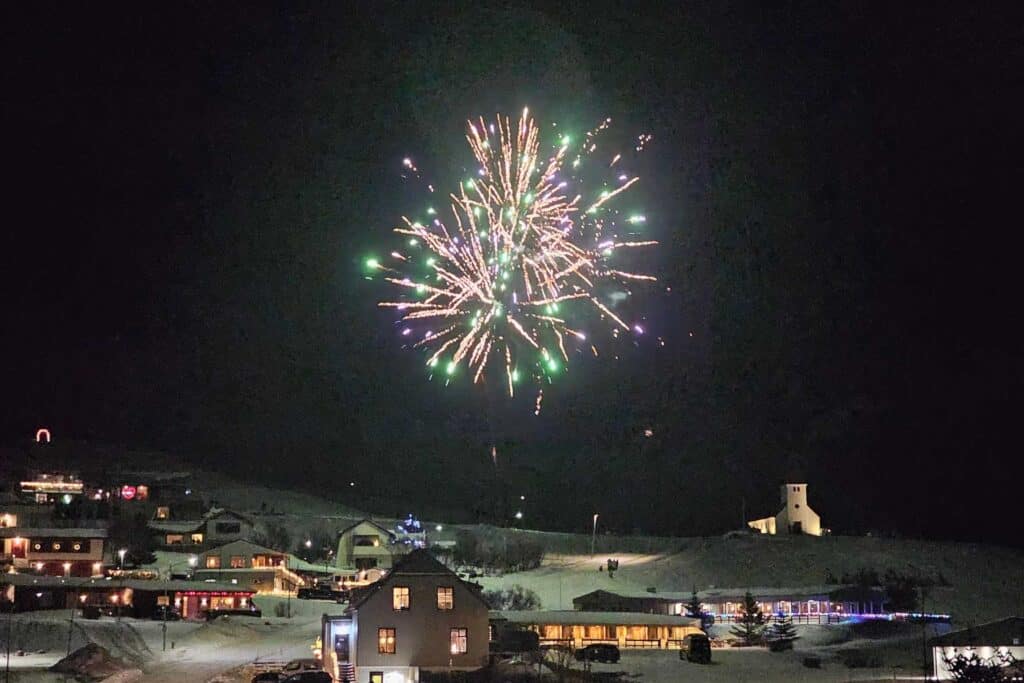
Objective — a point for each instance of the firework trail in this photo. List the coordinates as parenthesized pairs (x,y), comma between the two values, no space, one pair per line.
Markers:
(510,280)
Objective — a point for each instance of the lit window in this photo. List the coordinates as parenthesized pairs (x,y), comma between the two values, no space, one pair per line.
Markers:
(386,641)
(163,512)
(197,538)
(213,562)
(400,597)
(445,597)
(237,562)
(458,640)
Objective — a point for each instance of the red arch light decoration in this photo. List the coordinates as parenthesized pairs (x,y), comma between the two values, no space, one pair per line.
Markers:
(42,433)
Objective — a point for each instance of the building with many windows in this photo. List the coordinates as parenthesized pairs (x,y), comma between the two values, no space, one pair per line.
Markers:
(420,617)
(810,604)
(54,551)
(578,629)
(243,563)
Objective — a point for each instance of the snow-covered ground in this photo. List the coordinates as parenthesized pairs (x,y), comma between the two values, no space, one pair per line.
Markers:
(196,652)
(738,666)
(983,581)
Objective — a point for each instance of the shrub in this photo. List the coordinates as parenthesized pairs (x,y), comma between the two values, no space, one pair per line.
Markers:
(274,536)
(514,598)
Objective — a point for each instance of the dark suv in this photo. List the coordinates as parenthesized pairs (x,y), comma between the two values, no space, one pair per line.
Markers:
(598,652)
(696,647)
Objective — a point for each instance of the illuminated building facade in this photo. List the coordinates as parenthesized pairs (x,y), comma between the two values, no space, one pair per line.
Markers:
(54,552)
(796,516)
(421,616)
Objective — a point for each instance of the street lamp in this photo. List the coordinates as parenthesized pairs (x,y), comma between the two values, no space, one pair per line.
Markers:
(519,514)
(593,535)
(121,553)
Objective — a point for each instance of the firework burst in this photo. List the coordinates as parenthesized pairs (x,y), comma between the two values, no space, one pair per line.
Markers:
(512,277)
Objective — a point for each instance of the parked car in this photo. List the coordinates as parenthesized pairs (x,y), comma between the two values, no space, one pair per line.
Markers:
(309,677)
(696,647)
(266,677)
(598,652)
(315,593)
(301,665)
(165,613)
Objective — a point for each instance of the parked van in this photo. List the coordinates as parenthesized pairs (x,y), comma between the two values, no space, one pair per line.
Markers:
(696,647)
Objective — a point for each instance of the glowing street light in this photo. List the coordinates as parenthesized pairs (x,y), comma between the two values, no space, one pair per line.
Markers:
(519,514)
(121,553)
(593,534)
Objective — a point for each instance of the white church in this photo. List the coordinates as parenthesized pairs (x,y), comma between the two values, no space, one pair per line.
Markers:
(796,516)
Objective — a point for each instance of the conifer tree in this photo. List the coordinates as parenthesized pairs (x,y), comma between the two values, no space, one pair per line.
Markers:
(782,633)
(693,607)
(751,622)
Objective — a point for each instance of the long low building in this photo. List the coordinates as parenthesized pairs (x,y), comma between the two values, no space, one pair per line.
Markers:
(816,603)
(1004,637)
(579,629)
(136,597)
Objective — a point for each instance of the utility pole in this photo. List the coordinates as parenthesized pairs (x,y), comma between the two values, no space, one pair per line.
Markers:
(10,624)
(71,626)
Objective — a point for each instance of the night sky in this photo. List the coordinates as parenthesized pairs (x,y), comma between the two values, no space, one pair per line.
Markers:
(192,190)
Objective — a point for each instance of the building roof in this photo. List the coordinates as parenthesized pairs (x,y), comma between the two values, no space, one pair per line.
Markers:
(1005,632)
(417,563)
(571,617)
(215,513)
(389,532)
(135,584)
(186,526)
(243,547)
(37,532)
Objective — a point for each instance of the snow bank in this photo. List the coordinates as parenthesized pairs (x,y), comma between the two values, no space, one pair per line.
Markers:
(91,662)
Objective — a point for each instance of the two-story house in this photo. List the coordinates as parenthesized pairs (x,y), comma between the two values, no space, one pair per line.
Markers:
(367,545)
(54,551)
(420,617)
(216,527)
(243,563)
